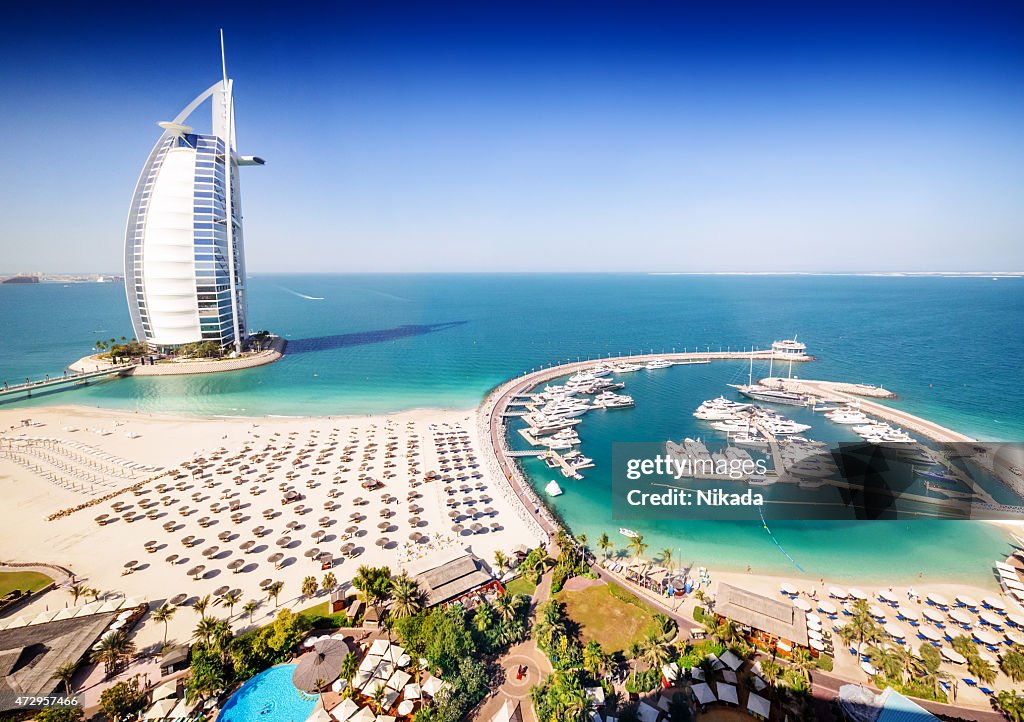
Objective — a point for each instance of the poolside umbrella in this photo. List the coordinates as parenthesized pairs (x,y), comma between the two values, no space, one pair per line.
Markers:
(322,665)
(991,618)
(405,708)
(236,565)
(930,633)
(814,634)
(275,558)
(983,636)
(196,571)
(933,616)
(815,644)
(953,656)
(961,617)
(966,600)
(814,624)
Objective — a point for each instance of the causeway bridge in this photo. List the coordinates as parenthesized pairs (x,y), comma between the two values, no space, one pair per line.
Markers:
(59,383)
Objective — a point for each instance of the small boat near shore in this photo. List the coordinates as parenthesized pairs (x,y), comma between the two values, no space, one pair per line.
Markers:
(628,532)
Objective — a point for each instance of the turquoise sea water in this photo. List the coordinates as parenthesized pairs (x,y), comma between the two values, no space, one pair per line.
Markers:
(952,348)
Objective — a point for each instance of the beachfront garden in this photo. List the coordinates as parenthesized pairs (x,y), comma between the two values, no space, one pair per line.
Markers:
(611,616)
(25,582)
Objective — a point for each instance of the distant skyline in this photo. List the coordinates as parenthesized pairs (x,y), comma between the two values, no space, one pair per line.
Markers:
(557,136)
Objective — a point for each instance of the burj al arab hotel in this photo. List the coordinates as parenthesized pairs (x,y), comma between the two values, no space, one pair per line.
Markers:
(184,262)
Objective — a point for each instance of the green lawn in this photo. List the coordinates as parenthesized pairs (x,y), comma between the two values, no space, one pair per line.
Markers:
(25,581)
(521,585)
(319,614)
(609,614)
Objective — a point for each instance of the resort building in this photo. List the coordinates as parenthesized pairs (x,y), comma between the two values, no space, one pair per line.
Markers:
(184,261)
(462,579)
(768,623)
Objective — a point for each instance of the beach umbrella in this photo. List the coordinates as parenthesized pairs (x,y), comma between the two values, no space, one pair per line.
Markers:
(813,624)
(952,655)
(966,600)
(1015,619)
(454,514)
(347,548)
(937,599)
(857,593)
(383,541)
(221,591)
(933,616)
(866,666)
(801,604)
(178,599)
(827,607)
(311,552)
(989,617)
(415,536)
(266,583)
(994,602)
(814,634)
(961,617)
(909,613)
(458,528)
(384,525)
(895,632)
(210,551)
(351,530)
(284,541)
(930,633)
(236,565)
(983,636)
(887,596)
(837,592)
(878,613)
(196,571)
(1015,638)
(476,528)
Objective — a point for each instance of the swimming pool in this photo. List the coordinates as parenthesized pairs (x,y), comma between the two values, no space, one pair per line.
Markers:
(270,696)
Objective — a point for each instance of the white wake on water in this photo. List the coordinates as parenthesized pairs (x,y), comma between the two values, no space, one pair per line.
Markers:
(301,295)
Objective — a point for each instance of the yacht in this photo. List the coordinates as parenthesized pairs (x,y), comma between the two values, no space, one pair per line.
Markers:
(609,400)
(731,426)
(625,368)
(566,409)
(658,363)
(846,416)
(751,439)
(784,427)
(772,396)
(628,532)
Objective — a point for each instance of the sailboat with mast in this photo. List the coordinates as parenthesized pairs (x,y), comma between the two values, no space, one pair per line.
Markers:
(766,394)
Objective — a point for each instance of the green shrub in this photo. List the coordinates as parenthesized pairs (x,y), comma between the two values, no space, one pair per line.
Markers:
(698,614)
(824,663)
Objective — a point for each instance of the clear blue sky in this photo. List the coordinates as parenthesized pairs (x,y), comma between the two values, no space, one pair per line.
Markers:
(536,136)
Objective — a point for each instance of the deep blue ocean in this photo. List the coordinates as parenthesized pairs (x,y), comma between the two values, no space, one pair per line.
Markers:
(951,348)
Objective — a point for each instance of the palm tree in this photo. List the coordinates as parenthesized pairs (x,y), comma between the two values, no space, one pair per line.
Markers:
(727,632)
(500,561)
(64,674)
(1012,664)
(551,622)
(581,539)
(862,626)
(604,544)
(94,593)
(76,591)
(638,545)
(802,663)
(507,605)
(349,668)
(112,650)
(594,659)
(982,669)
(309,586)
(666,558)
(250,608)
(205,630)
(377,697)
(329,582)
(199,606)
(1011,704)
(164,614)
(231,599)
(771,671)
(407,598)
(655,652)
(274,590)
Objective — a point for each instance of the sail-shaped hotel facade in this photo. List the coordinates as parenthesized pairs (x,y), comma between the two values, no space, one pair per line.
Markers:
(184,252)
